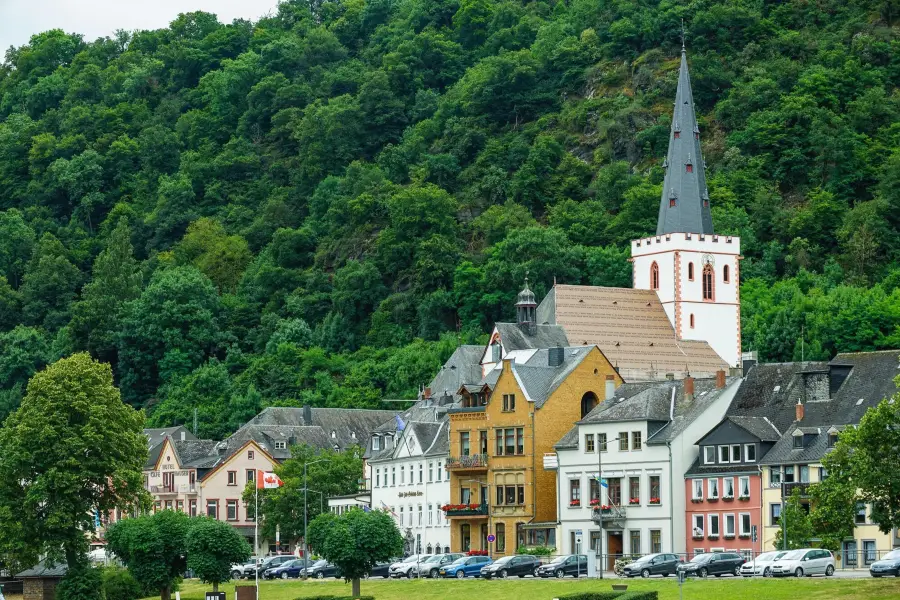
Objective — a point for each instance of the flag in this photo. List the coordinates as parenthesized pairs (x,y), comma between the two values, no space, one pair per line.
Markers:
(602,481)
(400,424)
(366,508)
(388,508)
(267,481)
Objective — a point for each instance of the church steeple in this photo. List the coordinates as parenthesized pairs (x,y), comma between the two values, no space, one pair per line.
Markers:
(684,206)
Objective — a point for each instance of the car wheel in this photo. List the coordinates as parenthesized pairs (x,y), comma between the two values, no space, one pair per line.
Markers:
(460,574)
(504,574)
(798,572)
(645,573)
(433,574)
(737,571)
(284,575)
(409,574)
(320,575)
(560,574)
(829,570)
(235,574)
(535,573)
(767,572)
(703,572)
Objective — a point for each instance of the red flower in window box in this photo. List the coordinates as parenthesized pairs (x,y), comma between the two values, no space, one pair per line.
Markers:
(595,502)
(634,501)
(575,503)
(654,501)
(477,553)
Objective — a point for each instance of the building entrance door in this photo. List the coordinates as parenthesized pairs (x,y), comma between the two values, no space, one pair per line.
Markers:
(613,549)
(466,537)
(848,556)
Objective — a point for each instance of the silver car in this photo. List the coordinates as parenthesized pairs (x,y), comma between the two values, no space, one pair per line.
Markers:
(762,564)
(432,566)
(406,567)
(804,563)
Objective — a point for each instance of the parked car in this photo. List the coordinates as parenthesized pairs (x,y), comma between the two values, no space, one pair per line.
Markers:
(520,565)
(467,566)
(270,563)
(888,565)
(652,564)
(714,563)
(805,562)
(432,566)
(572,564)
(405,567)
(248,569)
(321,569)
(381,570)
(291,569)
(762,564)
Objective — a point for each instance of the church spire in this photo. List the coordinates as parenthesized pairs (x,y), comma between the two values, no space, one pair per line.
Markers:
(684,206)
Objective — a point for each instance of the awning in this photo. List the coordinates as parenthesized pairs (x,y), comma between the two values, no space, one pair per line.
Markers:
(545,525)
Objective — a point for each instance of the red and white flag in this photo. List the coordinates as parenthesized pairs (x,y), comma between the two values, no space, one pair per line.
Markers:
(267,481)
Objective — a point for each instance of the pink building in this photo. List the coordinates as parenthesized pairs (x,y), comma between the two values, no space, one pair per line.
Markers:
(723,488)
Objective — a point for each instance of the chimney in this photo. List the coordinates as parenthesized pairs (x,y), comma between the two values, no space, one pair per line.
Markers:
(720,379)
(798,411)
(610,387)
(555,357)
(182,436)
(307,415)
(689,388)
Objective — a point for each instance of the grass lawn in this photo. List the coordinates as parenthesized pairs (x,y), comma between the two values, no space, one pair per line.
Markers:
(475,589)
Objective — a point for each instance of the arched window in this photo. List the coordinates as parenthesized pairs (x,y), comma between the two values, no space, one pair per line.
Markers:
(692,321)
(428,549)
(726,275)
(588,402)
(708,283)
(690,271)
(654,276)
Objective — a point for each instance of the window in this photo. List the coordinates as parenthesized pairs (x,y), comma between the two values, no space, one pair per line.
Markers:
(510,445)
(601,441)
(212,509)
(654,489)
(712,486)
(280,445)
(575,491)
(520,440)
(401,516)
(438,472)
(595,488)
(713,525)
(393,475)
(728,487)
(232,477)
(430,516)
(482,442)
(250,454)
(192,508)
(729,525)
(654,276)
(377,477)
(510,441)
(804,474)
(376,442)
(708,282)
(655,540)
(789,474)
(464,443)
(623,441)
(635,541)
(420,515)
(500,534)
(698,489)
(402,475)
(832,440)
(736,453)
(860,518)
(231,510)
(724,454)
(823,473)
(634,490)
(745,524)
(798,442)
(744,486)
(698,526)
(690,271)
(774,476)
(251,475)
(677,134)
(774,514)
(614,491)
(511,495)
(692,320)
(672,202)
(430,472)
(726,274)
(509,402)
(750,452)
(709,455)
(869,551)
(589,442)
(635,440)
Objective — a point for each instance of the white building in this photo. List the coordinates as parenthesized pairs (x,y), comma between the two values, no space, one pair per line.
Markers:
(646,437)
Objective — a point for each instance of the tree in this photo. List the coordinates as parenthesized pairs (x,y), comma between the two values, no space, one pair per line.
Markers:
(153,547)
(355,541)
(212,547)
(795,521)
(49,285)
(70,450)
(833,505)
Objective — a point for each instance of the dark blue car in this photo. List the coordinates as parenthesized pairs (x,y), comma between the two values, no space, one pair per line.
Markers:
(467,566)
(290,569)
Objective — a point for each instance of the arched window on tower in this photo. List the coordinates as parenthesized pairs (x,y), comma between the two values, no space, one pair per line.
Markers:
(654,276)
(708,284)
(690,271)
(726,275)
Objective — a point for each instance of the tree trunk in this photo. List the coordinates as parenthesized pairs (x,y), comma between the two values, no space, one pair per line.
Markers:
(215,586)
(165,593)
(355,586)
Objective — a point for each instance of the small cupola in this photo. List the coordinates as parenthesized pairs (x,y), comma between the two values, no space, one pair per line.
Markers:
(526,309)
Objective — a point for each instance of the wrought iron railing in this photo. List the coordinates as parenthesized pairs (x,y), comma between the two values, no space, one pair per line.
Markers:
(470,461)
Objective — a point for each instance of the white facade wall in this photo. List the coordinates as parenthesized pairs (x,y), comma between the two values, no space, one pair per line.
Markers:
(717,321)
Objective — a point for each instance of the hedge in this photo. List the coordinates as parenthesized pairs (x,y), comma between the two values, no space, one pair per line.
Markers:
(611,596)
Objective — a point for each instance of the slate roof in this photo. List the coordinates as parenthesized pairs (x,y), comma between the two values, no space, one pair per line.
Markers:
(463,367)
(684,205)
(194,453)
(352,426)
(760,427)
(156,437)
(42,570)
(538,380)
(513,337)
(701,470)
(631,329)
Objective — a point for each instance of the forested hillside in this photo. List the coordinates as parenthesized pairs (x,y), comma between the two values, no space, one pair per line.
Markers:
(317,207)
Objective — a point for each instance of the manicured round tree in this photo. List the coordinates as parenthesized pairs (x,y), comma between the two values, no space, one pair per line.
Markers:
(212,547)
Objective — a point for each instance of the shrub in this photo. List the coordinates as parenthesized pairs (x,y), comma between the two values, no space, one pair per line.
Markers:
(536,550)
(640,596)
(80,583)
(119,584)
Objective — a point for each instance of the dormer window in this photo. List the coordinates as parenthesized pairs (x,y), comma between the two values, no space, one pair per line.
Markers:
(333,434)
(353,435)
(281,445)
(376,443)
(832,439)
(798,442)
(689,168)
(709,455)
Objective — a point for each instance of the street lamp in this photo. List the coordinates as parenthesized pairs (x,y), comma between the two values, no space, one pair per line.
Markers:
(600,450)
(306,514)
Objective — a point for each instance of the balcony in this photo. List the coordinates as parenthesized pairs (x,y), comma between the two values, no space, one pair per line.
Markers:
(470,462)
(172,490)
(465,510)
(790,487)
(551,461)
(609,513)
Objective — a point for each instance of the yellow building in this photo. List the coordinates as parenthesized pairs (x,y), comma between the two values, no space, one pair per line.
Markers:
(498,439)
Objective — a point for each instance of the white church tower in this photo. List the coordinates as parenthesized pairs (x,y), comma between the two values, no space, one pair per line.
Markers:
(695,272)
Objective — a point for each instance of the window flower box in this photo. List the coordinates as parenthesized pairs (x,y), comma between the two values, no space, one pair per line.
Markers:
(727,498)
(462,510)
(696,500)
(574,503)
(728,536)
(744,498)
(713,499)
(712,536)
(697,536)
(477,553)
(595,502)
(744,536)
(634,501)
(654,501)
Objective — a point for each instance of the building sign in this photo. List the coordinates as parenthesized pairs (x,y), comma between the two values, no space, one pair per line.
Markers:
(409,494)
(155,474)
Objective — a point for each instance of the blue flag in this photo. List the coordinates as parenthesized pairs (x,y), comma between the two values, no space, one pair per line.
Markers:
(400,424)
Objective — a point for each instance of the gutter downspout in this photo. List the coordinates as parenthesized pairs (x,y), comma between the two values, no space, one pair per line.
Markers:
(671,481)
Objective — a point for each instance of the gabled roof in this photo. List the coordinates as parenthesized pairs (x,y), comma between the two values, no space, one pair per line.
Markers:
(538,380)
(156,437)
(43,570)
(351,426)
(463,367)
(760,427)
(630,327)
(513,337)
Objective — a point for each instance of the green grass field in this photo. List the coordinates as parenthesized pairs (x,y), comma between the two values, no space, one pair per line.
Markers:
(474,589)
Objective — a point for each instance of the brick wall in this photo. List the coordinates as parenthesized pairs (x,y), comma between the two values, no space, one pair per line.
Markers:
(39,588)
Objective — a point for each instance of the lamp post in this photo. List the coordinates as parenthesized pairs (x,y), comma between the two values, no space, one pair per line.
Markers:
(305,515)
(600,450)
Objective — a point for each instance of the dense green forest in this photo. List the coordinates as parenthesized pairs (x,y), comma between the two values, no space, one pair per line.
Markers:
(319,206)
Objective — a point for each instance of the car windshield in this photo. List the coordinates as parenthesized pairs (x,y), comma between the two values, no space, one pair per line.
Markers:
(460,561)
(700,558)
(435,558)
(767,556)
(320,563)
(502,561)
(794,555)
(647,558)
(892,555)
(558,559)
(291,563)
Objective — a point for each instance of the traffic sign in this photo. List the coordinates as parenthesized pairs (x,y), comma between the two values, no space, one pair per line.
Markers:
(491,538)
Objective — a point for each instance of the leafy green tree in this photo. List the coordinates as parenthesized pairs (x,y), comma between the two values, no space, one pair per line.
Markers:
(72,448)
(49,285)
(212,547)
(153,547)
(17,240)
(795,525)
(23,352)
(833,501)
(356,541)
(219,256)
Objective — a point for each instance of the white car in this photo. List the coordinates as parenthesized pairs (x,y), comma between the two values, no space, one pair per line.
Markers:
(405,567)
(762,564)
(804,563)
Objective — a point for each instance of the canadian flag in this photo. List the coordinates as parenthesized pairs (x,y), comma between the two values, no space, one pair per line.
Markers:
(267,481)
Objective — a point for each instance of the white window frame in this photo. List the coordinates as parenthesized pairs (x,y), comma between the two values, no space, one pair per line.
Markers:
(377,478)
(402,474)
(430,515)
(438,473)
(706,450)
(695,484)
(698,551)
(281,445)
(738,447)
(732,532)
(376,442)
(698,517)
(741,523)
(747,454)
(741,486)
(725,482)
(718,530)
(727,457)
(714,550)
(710,483)
(430,472)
